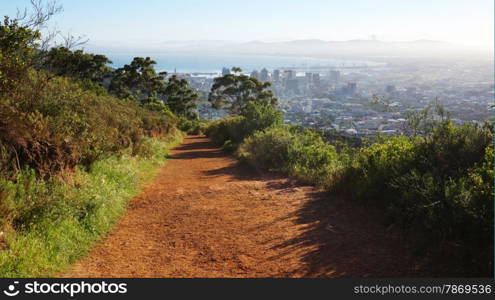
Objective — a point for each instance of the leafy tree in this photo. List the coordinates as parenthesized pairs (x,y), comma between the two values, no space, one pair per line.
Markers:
(234,91)
(17,49)
(62,61)
(259,116)
(180,98)
(422,122)
(138,80)
(381,104)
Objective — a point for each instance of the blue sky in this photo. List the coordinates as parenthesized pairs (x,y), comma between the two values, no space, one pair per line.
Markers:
(460,21)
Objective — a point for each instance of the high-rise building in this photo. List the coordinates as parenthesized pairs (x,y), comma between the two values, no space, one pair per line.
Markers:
(350,89)
(316,79)
(334,76)
(264,76)
(292,85)
(309,77)
(290,74)
(255,74)
(225,71)
(276,75)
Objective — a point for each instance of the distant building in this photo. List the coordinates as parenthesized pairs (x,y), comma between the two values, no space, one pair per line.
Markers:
(411,90)
(225,71)
(350,89)
(292,85)
(309,78)
(290,74)
(255,74)
(334,76)
(264,76)
(316,79)
(390,89)
(276,76)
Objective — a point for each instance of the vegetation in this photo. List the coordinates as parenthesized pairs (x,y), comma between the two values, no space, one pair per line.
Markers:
(436,183)
(139,82)
(48,224)
(61,61)
(254,116)
(72,152)
(234,91)
(192,126)
(180,98)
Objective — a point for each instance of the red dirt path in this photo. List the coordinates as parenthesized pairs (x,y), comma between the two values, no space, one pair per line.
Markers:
(207,216)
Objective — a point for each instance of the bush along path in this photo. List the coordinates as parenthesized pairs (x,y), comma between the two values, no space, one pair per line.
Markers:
(205,215)
(60,221)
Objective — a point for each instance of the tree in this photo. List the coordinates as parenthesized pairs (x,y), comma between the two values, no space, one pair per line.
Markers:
(234,91)
(259,116)
(381,104)
(180,98)
(17,49)
(138,80)
(422,122)
(62,61)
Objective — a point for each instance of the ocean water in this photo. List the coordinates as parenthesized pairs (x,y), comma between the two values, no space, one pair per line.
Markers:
(189,63)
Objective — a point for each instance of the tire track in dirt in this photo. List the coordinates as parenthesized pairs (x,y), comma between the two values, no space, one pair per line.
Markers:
(207,216)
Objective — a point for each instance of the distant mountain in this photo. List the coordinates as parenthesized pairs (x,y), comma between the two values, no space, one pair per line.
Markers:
(350,49)
(307,42)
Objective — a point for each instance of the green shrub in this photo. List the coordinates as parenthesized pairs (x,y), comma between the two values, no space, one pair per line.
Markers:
(299,153)
(259,116)
(439,186)
(52,124)
(189,126)
(254,117)
(226,129)
(268,149)
(375,166)
(314,164)
(229,146)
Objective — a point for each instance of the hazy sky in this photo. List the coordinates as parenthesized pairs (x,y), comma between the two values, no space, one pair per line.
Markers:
(460,21)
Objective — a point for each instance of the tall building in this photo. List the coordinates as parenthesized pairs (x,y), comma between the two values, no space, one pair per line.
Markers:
(334,76)
(292,85)
(276,75)
(309,77)
(255,74)
(316,79)
(350,89)
(264,76)
(225,71)
(290,74)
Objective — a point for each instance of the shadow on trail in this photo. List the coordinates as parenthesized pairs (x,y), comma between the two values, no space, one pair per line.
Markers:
(339,238)
(348,239)
(202,149)
(340,244)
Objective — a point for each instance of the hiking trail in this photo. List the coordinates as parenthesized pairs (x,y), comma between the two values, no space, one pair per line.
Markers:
(206,215)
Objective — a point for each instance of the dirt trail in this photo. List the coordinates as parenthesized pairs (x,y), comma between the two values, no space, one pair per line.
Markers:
(207,216)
